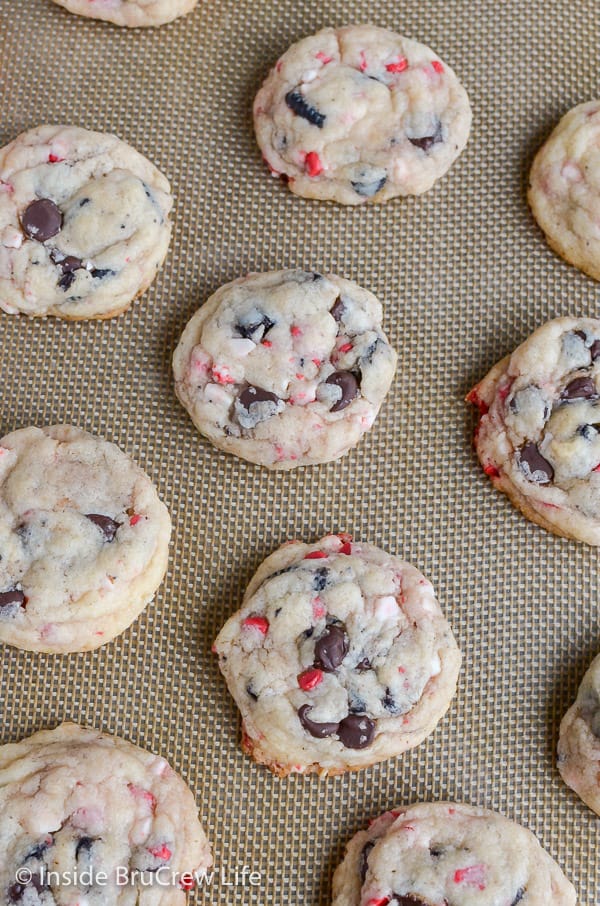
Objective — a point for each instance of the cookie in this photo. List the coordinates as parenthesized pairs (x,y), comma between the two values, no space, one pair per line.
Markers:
(360,114)
(445,852)
(564,189)
(339,657)
(84,540)
(87,818)
(130,12)
(579,741)
(538,436)
(84,223)
(286,368)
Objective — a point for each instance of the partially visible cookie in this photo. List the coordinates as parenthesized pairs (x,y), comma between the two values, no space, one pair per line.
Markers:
(130,12)
(444,852)
(87,818)
(579,742)
(361,114)
(84,540)
(339,657)
(564,188)
(286,368)
(84,223)
(538,436)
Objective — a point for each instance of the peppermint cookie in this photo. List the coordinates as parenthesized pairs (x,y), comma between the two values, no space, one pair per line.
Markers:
(361,114)
(84,540)
(87,818)
(538,436)
(445,852)
(286,368)
(340,657)
(130,12)
(84,223)
(579,742)
(564,188)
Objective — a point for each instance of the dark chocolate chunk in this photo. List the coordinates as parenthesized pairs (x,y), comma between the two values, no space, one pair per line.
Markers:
(83,202)
(107,526)
(100,272)
(590,432)
(251,693)
(582,388)
(67,263)
(41,219)
(331,648)
(409,899)
(256,395)
(11,598)
(247,330)
(320,731)
(355,704)
(518,896)
(534,466)
(84,846)
(67,280)
(308,632)
(37,851)
(364,860)
(426,142)
(16,892)
(356,731)
(320,579)
(370,351)
(368,188)
(435,850)
(301,107)
(348,384)
(389,702)
(364,664)
(595,350)
(337,309)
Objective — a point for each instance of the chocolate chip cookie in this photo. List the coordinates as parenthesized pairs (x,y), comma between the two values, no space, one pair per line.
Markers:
(339,657)
(84,223)
(360,114)
(538,436)
(579,742)
(444,852)
(130,12)
(83,537)
(564,190)
(286,368)
(87,818)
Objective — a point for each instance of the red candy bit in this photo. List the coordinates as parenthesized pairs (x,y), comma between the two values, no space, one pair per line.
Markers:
(378,901)
(323,58)
(346,548)
(213,648)
(310,678)
(363,61)
(596,468)
(295,330)
(187,882)
(313,164)
(316,362)
(135,519)
(504,390)
(346,347)
(472,876)
(318,609)
(398,66)
(437,66)
(139,793)
(53,159)
(266,343)
(160,852)
(491,470)
(315,555)
(474,398)
(260,623)
(221,375)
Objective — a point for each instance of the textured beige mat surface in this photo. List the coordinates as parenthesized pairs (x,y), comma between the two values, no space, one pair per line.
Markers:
(464,275)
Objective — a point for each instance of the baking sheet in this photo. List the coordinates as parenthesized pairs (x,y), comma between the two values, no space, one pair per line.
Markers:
(464,275)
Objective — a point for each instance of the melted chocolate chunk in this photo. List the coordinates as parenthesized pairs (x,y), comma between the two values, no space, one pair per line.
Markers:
(301,107)
(582,388)
(41,220)
(356,731)
(11,598)
(256,395)
(363,863)
(348,384)
(337,309)
(426,142)
(331,648)
(534,466)
(67,280)
(107,526)
(368,188)
(518,896)
(320,579)
(84,846)
(248,330)
(319,731)
(595,350)
(16,892)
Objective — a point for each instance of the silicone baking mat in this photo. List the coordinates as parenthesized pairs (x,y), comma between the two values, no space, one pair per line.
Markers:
(464,275)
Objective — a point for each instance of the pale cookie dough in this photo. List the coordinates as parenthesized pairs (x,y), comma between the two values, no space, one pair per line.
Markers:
(83,536)
(360,114)
(448,854)
(130,12)
(88,819)
(286,368)
(340,657)
(84,223)
(579,742)
(538,436)
(564,188)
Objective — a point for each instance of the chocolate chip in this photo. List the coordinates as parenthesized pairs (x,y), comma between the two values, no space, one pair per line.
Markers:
(38,850)
(363,864)
(534,466)
(98,273)
(364,664)
(518,896)
(409,899)
(301,107)
(389,702)
(337,309)
(595,350)
(248,330)
(67,280)
(319,731)
(355,704)
(84,846)
(16,892)
(252,395)
(435,850)
(348,384)
(320,579)
(368,188)
(10,599)
(356,731)
(41,219)
(590,432)
(582,388)
(67,263)
(251,693)
(107,526)
(426,142)
(331,648)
